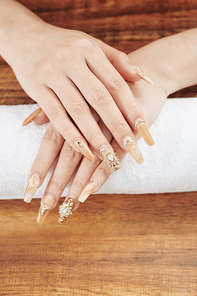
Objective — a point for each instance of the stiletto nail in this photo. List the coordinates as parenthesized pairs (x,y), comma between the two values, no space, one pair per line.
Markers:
(143,75)
(110,157)
(65,210)
(143,130)
(83,148)
(45,207)
(89,189)
(133,149)
(32,186)
(31,117)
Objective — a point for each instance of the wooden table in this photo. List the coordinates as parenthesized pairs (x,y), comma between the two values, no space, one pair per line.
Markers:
(114,244)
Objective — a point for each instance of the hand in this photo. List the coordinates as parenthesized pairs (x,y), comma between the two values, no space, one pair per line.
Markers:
(65,72)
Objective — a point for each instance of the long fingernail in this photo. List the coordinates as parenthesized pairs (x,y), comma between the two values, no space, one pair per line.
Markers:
(110,157)
(133,149)
(32,186)
(31,117)
(143,75)
(143,130)
(83,148)
(65,210)
(45,207)
(89,189)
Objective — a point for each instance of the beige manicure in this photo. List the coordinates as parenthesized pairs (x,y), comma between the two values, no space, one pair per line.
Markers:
(83,148)
(89,189)
(110,157)
(31,117)
(32,186)
(45,208)
(133,149)
(142,75)
(65,210)
(143,130)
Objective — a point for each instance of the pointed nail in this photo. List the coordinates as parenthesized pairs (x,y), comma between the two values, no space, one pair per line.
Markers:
(143,130)
(45,207)
(143,75)
(133,149)
(65,210)
(83,148)
(32,186)
(110,157)
(31,117)
(89,189)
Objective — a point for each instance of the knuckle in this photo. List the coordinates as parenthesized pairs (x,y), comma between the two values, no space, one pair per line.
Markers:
(68,152)
(87,43)
(119,127)
(51,135)
(100,96)
(117,83)
(67,131)
(54,111)
(57,185)
(105,171)
(78,184)
(122,55)
(93,136)
(78,107)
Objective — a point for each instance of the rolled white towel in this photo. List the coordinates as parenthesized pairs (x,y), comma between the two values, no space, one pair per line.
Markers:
(170,165)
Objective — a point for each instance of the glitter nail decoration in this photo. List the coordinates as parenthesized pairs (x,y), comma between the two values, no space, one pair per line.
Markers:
(110,157)
(65,210)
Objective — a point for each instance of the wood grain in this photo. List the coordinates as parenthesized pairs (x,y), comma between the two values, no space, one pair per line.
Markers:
(113,245)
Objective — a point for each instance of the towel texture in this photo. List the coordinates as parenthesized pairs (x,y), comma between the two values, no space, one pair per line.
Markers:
(170,165)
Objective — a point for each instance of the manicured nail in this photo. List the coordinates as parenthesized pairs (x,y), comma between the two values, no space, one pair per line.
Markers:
(89,189)
(143,130)
(45,207)
(31,117)
(65,210)
(32,186)
(143,75)
(83,148)
(133,149)
(110,157)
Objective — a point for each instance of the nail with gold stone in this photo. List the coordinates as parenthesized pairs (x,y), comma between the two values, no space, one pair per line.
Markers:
(142,128)
(45,208)
(89,189)
(32,186)
(31,117)
(143,75)
(110,157)
(65,210)
(133,149)
(84,149)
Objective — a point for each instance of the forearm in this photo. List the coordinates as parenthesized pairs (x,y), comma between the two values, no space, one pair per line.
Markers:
(171,61)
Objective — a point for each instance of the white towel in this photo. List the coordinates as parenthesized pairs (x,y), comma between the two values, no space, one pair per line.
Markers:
(170,165)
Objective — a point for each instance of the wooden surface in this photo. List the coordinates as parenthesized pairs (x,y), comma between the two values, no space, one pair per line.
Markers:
(114,244)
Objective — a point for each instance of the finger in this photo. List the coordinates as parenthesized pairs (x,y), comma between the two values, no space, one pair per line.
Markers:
(123,64)
(60,119)
(38,116)
(65,167)
(49,148)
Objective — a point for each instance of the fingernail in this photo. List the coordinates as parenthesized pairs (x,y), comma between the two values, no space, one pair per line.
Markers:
(32,186)
(31,117)
(89,189)
(65,210)
(133,149)
(143,130)
(143,75)
(45,207)
(83,148)
(110,157)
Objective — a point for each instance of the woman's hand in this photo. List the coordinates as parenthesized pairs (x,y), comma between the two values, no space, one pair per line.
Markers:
(65,72)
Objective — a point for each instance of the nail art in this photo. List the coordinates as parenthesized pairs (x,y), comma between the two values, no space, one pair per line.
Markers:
(143,75)
(133,149)
(45,207)
(32,186)
(65,210)
(110,157)
(31,117)
(83,148)
(87,190)
(143,130)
